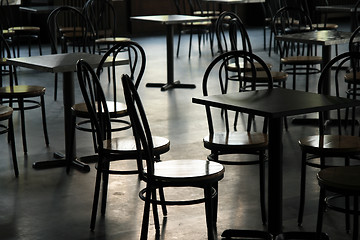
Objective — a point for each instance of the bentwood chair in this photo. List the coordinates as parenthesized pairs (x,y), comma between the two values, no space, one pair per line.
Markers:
(21,97)
(336,146)
(222,141)
(116,106)
(295,59)
(102,18)
(171,173)
(69,30)
(18,33)
(109,149)
(6,114)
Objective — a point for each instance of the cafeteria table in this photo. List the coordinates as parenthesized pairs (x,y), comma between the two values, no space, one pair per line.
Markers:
(170,21)
(348,8)
(233,3)
(270,103)
(62,63)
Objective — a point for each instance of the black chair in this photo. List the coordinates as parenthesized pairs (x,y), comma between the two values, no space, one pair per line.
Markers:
(295,59)
(109,149)
(332,146)
(20,97)
(221,140)
(6,115)
(116,106)
(169,174)
(69,31)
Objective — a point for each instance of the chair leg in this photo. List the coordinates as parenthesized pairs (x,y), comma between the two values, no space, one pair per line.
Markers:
(146,214)
(155,213)
(13,150)
(106,166)
(162,199)
(43,113)
(302,188)
(262,186)
(22,116)
(70,155)
(96,195)
(178,45)
(321,209)
(356,218)
(209,212)
(190,42)
(55,86)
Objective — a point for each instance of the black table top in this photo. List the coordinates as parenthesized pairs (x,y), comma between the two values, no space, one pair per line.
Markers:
(277,102)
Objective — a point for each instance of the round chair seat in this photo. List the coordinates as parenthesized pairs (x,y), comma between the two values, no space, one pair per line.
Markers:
(344,179)
(236,141)
(111,40)
(188,172)
(349,78)
(261,76)
(5,112)
(25,29)
(23,91)
(301,60)
(80,109)
(327,26)
(330,144)
(232,66)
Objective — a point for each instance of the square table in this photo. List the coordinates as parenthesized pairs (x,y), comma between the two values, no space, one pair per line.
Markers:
(270,103)
(62,63)
(170,21)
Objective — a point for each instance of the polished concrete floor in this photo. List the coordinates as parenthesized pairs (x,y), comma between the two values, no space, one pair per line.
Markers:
(50,204)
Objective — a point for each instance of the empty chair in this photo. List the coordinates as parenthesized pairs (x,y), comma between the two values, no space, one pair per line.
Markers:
(171,173)
(21,97)
(221,140)
(302,236)
(332,146)
(6,115)
(68,29)
(295,59)
(109,149)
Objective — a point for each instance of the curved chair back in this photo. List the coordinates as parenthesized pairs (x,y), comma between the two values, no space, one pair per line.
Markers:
(5,53)
(216,75)
(70,27)
(354,43)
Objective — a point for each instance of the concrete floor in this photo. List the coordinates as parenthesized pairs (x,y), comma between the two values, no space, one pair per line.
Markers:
(50,204)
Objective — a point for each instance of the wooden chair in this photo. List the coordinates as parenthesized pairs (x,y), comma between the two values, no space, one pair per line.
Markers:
(169,174)
(302,236)
(102,17)
(116,106)
(21,95)
(109,149)
(221,140)
(200,28)
(6,115)
(295,59)
(69,31)
(331,146)
(18,33)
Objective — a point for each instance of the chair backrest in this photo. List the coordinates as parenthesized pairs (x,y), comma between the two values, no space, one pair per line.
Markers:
(95,101)
(101,15)
(291,20)
(140,126)
(136,68)
(5,53)
(349,61)
(215,80)
(357,14)
(67,25)
(354,44)
(231,33)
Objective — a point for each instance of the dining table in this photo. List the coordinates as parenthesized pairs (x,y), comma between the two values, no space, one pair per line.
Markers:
(170,21)
(325,39)
(64,63)
(233,3)
(270,103)
(341,8)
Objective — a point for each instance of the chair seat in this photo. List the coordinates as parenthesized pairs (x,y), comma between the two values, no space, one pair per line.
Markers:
(330,144)
(80,109)
(327,26)
(236,141)
(349,78)
(22,91)
(188,172)
(111,40)
(232,66)
(345,178)
(301,60)
(127,146)
(5,112)
(202,23)
(261,76)
(27,29)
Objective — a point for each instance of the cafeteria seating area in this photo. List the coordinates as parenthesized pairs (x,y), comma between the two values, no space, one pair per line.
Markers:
(52,204)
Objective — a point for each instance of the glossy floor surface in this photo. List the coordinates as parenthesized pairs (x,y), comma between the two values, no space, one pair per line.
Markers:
(52,205)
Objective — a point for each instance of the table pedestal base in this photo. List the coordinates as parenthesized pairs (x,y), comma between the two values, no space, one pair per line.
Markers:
(167,86)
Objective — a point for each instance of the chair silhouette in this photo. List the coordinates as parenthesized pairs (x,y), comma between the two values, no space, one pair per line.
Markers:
(69,30)
(21,95)
(109,149)
(6,115)
(171,173)
(221,140)
(331,146)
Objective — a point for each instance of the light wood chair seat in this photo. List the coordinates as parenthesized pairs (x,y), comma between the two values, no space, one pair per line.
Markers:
(349,78)
(23,91)
(80,109)
(323,26)
(111,40)
(25,29)
(301,60)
